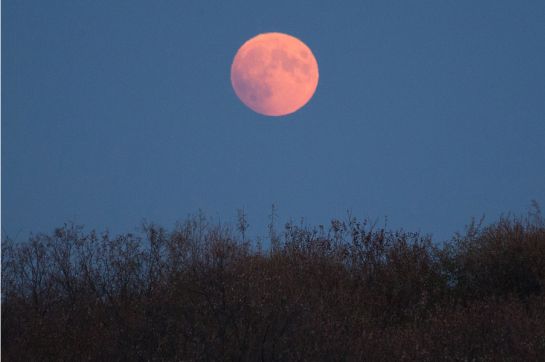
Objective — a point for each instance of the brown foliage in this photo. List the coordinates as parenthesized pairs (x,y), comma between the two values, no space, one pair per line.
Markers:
(350,293)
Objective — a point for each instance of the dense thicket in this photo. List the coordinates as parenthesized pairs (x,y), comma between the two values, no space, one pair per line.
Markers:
(348,292)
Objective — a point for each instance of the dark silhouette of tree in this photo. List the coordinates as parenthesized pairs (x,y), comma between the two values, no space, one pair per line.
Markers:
(350,292)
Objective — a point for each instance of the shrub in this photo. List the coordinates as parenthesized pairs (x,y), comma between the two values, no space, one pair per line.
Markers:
(351,292)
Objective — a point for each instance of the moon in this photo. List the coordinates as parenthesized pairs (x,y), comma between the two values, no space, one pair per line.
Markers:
(274,74)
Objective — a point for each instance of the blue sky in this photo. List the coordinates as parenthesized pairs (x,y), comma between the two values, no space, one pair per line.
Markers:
(427,113)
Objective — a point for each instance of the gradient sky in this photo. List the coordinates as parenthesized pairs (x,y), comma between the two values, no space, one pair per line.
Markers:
(427,112)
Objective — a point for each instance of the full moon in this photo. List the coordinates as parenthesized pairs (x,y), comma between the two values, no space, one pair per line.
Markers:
(274,74)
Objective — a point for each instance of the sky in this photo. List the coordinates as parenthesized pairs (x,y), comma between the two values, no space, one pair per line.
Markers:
(427,113)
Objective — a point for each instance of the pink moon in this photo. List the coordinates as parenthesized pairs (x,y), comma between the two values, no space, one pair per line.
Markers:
(274,74)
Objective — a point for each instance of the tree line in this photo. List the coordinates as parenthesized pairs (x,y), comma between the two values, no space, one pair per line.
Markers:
(349,291)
